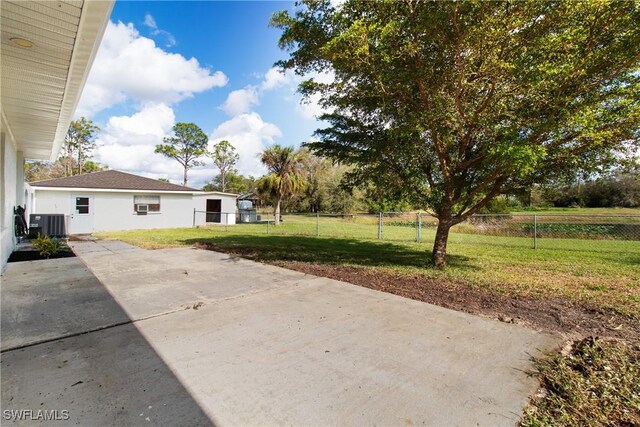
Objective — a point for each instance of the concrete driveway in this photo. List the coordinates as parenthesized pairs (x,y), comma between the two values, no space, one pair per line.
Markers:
(193,337)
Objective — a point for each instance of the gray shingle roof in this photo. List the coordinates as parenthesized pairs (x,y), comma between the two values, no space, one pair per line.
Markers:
(111,180)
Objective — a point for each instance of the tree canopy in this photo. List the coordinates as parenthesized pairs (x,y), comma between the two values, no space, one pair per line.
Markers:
(75,155)
(79,143)
(187,145)
(225,157)
(234,183)
(285,175)
(326,189)
(454,103)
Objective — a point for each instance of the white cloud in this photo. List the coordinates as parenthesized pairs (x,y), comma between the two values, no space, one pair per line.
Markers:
(249,134)
(310,108)
(154,120)
(324,77)
(129,66)
(240,101)
(150,22)
(247,131)
(127,143)
(275,78)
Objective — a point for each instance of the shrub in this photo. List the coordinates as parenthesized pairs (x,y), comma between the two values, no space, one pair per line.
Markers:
(499,205)
(596,385)
(47,246)
(623,190)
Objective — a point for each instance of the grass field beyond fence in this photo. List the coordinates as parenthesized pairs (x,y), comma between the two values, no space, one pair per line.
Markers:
(601,273)
(533,228)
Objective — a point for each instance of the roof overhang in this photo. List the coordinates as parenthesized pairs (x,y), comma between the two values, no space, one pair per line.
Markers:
(111,190)
(42,84)
(216,193)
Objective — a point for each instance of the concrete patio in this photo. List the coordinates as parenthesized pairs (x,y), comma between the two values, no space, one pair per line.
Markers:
(193,337)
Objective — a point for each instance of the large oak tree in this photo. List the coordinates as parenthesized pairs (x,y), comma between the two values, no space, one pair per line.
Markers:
(455,103)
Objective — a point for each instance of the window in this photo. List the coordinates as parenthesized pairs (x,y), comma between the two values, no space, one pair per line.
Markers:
(82,205)
(144,204)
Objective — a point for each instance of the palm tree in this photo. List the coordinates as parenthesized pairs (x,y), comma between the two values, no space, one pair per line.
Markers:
(286,176)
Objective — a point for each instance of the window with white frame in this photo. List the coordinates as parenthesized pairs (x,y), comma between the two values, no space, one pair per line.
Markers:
(144,204)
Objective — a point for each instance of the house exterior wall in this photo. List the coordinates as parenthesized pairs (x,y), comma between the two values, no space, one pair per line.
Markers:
(114,210)
(228,210)
(11,193)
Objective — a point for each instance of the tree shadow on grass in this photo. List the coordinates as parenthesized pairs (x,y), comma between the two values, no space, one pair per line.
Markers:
(325,251)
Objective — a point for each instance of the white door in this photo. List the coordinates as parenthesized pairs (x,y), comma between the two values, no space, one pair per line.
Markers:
(81,221)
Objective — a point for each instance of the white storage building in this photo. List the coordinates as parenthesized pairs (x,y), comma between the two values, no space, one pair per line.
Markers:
(113,200)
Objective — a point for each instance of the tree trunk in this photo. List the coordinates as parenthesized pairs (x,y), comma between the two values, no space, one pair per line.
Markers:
(69,165)
(276,213)
(79,162)
(224,182)
(440,244)
(184,178)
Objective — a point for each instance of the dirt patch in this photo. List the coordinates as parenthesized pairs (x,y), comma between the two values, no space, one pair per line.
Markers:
(553,315)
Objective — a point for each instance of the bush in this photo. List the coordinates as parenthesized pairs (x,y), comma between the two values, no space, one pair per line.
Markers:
(48,246)
(499,205)
(621,190)
(565,197)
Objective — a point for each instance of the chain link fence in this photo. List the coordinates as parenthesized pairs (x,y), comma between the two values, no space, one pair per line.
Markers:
(522,230)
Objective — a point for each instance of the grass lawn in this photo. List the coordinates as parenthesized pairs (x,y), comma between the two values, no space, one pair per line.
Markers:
(601,273)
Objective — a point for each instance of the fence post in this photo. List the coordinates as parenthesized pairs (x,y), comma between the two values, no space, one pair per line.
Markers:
(194,217)
(419,228)
(267,225)
(380,226)
(535,231)
(317,224)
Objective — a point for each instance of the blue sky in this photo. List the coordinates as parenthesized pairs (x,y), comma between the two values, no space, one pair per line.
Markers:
(210,63)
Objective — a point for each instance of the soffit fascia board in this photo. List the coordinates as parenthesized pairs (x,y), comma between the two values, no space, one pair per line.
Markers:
(93,23)
(7,129)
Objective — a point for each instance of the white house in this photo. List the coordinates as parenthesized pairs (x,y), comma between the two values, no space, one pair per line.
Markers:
(113,200)
(47,52)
